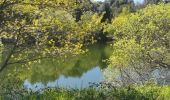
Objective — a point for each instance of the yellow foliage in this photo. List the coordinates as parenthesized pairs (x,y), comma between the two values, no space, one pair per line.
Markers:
(142,36)
(46,27)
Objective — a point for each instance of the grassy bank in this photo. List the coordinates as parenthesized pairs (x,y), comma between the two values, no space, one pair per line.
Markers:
(147,92)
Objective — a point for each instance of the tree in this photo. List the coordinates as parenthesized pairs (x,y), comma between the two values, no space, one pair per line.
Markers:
(118,5)
(142,39)
(35,29)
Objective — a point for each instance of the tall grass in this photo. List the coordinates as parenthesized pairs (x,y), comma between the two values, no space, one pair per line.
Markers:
(147,92)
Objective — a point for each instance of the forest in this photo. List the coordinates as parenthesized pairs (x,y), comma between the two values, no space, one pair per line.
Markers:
(84,50)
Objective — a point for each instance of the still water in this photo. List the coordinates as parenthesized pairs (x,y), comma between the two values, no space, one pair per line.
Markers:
(71,72)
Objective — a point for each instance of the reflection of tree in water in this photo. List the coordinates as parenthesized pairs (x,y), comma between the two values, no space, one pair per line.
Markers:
(76,70)
(73,66)
(105,52)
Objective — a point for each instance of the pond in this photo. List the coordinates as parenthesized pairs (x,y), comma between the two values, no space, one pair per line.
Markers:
(71,72)
(79,72)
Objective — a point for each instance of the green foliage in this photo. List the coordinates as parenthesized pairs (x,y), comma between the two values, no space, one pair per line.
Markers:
(90,24)
(142,37)
(41,29)
(147,92)
(124,51)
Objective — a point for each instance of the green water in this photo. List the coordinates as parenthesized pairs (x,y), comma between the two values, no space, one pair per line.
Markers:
(73,72)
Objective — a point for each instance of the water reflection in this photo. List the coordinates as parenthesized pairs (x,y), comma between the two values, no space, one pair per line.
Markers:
(93,75)
(73,71)
(73,66)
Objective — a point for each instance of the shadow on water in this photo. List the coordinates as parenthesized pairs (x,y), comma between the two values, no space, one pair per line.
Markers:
(73,71)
